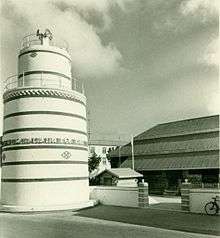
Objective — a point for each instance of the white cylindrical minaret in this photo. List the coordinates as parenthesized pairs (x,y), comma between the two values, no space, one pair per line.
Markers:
(45,147)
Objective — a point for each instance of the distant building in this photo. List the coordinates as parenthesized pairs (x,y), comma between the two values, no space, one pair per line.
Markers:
(170,152)
(101,148)
(119,177)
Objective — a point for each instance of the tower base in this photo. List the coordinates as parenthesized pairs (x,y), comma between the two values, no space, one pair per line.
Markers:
(74,206)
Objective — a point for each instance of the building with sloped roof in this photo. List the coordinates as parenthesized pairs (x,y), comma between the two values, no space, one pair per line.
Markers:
(168,153)
(101,149)
(119,177)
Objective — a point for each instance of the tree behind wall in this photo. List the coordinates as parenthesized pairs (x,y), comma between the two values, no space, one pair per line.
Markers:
(94,162)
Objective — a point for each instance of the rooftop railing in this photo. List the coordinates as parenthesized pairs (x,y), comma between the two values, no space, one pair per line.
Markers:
(57,82)
(33,39)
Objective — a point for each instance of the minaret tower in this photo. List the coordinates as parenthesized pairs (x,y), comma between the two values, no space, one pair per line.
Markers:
(45,147)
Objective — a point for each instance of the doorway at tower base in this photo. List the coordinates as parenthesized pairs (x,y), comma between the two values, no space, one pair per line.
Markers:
(74,206)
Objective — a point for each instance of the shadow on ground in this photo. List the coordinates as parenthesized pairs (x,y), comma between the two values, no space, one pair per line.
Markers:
(172,220)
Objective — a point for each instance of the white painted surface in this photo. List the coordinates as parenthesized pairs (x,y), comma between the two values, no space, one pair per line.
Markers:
(25,208)
(45,120)
(157,199)
(50,193)
(46,104)
(45,61)
(45,171)
(117,196)
(44,80)
(44,154)
(41,47)
(45,193)
(199,197)
(127,182)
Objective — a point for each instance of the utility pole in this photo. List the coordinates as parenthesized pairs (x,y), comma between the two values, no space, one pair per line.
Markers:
(119,152)
(132,151)
(88,124)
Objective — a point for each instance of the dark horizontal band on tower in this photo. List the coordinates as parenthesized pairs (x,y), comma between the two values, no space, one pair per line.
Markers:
(44,147)
(63,97)
(44,112)
(43,162)
(44,72)
(44,129)
(11,180)
(48,51)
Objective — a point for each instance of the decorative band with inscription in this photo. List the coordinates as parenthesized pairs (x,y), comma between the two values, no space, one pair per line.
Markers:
(43,140)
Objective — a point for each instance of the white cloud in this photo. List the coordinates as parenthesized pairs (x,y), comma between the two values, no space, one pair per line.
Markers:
(202,8)
(211,54)
(184,16)
(214,103)
(66,19)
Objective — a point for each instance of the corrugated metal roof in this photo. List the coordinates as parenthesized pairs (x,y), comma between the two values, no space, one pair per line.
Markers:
(189,126)
(172,146)
(124,173)
(186,144)
(175,163)
(105,143)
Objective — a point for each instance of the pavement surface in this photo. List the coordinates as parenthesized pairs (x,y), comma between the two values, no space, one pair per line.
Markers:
(165,203)
(109,221)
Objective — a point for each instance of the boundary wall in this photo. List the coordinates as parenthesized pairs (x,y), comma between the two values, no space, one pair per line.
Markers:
(121,196)
(194,200)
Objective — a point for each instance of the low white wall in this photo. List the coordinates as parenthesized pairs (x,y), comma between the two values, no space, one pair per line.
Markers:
(199,197)
(116,196)
(127,183)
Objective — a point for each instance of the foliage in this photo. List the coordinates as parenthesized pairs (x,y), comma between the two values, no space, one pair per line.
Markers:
(108,154)
(94,162)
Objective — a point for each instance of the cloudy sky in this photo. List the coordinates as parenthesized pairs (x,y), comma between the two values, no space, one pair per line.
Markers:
(143,62)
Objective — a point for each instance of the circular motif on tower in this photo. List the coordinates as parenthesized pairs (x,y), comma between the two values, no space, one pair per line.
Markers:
(34,54)
(66,154)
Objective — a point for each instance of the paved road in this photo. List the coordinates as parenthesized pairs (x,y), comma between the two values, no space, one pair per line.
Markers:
(80,225)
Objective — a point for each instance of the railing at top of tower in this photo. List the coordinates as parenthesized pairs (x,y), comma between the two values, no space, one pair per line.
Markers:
(33,39)
(15,81)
